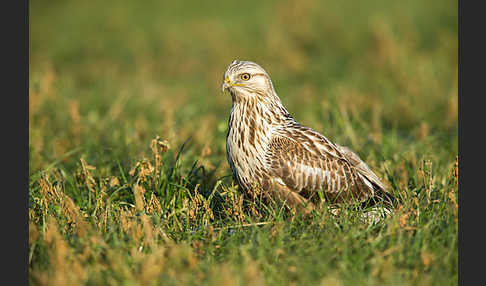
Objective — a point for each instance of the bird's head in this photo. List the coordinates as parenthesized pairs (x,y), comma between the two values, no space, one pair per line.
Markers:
(245,79)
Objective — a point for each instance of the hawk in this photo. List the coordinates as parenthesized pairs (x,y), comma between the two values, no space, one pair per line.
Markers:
(268,149)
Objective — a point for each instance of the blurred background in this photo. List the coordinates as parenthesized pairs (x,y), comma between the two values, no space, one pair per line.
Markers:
(106,77)
(109,205)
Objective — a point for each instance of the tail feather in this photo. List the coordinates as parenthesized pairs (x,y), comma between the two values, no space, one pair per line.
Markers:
(379,189)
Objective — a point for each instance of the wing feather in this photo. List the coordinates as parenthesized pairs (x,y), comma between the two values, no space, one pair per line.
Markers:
(306,161)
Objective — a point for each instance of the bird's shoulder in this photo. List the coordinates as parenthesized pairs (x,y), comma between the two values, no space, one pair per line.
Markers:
(296,136)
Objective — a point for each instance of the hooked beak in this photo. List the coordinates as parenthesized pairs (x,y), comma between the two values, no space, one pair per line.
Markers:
(226,84)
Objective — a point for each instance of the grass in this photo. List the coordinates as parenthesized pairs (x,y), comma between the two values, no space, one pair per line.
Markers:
(129,183)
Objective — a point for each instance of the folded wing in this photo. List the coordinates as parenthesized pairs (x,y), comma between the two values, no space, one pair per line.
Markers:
(305,161)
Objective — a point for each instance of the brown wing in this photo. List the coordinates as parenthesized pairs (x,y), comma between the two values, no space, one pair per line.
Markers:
(379,190)
(306,161)
(361,166)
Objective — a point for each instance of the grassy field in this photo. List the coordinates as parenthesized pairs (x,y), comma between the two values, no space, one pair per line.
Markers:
(129,183)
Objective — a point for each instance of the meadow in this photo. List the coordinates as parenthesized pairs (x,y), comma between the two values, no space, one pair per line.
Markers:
(128,179)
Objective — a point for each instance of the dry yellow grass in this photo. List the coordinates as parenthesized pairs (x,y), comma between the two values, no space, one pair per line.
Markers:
(128,177)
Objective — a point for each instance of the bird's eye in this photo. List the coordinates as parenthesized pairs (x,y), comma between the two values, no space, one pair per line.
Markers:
(245,76)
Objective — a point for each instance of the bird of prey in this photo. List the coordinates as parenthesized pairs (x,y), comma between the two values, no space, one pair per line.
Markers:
(268,149)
